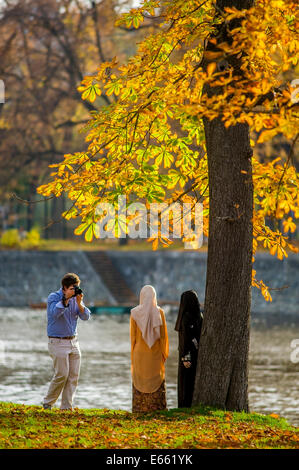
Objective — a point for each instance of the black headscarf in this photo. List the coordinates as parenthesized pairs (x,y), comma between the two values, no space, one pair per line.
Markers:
(189,303)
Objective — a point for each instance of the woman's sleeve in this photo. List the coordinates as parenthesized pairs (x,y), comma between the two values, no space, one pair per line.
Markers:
(164,337)
(133,327)
(186,338)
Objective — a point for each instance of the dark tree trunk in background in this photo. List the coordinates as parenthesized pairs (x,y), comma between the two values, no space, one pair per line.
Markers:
(123,241)
(53,226)
(30,207)
(46,219)
(222,370)
(64,222)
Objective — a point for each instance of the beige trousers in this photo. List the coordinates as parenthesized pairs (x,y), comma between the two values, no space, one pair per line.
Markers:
(66,357)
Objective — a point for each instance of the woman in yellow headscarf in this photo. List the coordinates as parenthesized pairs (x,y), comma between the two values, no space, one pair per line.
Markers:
(149,351)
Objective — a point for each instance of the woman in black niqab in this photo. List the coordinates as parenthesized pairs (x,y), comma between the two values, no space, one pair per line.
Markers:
(188,325)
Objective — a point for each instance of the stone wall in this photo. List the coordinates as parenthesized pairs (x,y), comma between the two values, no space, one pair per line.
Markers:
(27,277)
(173,272)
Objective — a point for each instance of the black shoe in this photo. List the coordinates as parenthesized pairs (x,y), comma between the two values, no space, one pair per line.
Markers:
(46,406)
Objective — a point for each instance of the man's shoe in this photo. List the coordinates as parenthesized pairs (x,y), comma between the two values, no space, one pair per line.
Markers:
(46,406)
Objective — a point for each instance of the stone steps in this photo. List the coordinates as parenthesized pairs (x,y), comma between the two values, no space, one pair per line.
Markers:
(111,277)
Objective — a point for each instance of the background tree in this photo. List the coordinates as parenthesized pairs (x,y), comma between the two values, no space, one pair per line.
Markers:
(46,49)
(215,70)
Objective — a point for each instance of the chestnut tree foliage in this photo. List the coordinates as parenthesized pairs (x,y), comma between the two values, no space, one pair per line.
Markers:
(149,143)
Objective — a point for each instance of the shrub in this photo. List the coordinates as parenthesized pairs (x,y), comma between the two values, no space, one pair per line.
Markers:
(32,239)
(10,238)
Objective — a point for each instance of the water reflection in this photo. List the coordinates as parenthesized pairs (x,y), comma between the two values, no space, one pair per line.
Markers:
(105,379)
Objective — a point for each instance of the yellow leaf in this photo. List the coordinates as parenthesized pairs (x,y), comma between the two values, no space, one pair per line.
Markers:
(85,94)
(259,53)
(289,225)
(273,250)
(293,248)
(274,415)
(210,55)
(155,244)
(89,233)
(281,253)
(211,68)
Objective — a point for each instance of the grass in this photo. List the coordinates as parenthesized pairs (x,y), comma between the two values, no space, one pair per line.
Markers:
(108,244)
(32,427)
(57,244)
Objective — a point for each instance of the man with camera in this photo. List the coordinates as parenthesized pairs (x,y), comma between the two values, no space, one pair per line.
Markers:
(63,310)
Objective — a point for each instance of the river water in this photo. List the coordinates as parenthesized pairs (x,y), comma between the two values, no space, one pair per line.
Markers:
(105,380)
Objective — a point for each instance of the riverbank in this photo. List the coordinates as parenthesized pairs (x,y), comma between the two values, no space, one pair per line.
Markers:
(77,244)
(113,278)
(58,244)
(32,427)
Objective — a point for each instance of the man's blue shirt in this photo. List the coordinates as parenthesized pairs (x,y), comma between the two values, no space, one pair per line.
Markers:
(62,321)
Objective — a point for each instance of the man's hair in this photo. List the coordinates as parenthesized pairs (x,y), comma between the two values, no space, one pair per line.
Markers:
(69,279)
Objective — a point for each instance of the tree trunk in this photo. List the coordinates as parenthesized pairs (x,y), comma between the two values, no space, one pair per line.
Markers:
(222,370)
(64,222)
(46,220)
(53,227)
(30,207)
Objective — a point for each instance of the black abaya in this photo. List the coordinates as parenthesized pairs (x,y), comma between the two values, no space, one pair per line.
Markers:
(189,334)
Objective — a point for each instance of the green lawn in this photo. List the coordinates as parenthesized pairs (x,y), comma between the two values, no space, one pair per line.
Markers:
(57,244)
(73,244)
(78,243)
(33,427)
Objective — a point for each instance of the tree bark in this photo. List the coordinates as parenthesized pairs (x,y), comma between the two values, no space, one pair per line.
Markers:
(30,206)
(222,369)
(46,220)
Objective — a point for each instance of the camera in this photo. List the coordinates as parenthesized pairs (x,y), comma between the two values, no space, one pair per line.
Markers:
(78,291)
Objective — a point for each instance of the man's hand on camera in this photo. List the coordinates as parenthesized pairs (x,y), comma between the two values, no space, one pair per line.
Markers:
(79,299)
